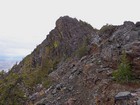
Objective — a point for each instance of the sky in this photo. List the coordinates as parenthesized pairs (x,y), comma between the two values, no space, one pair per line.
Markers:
(25,23)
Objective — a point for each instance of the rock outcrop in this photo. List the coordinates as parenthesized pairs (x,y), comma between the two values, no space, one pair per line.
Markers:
(74,65)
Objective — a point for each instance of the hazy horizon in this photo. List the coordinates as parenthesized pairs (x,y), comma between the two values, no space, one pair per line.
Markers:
(6,62)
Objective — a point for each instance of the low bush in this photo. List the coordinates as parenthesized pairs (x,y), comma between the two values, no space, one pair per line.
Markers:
(107,29)
(123,73)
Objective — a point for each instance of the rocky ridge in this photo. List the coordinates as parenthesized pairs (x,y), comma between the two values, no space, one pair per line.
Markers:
(78,61)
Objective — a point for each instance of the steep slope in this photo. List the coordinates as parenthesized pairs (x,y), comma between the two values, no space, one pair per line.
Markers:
(88,81)
(62,43)
(74,66)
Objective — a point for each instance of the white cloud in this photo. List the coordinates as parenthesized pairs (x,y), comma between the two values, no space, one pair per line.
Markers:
(15,48)
(16,52)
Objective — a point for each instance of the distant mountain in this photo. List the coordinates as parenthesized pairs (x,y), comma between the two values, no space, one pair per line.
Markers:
(7,62)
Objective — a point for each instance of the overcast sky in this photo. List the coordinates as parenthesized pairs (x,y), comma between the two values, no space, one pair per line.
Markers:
(25,23)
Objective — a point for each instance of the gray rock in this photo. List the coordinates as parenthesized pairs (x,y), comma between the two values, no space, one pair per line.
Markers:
(123,95)
(138,24)
(54,91)
(138,102)
(42,102)
(128,23)
(71,77)
(34,96)
(70,88)
(73,70)
(59,86)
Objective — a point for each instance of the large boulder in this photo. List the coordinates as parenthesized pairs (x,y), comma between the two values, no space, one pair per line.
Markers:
(123,95)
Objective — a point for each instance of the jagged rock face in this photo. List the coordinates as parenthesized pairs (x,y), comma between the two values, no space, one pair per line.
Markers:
(126,37)
(62,42)
(84,80)
(68,35)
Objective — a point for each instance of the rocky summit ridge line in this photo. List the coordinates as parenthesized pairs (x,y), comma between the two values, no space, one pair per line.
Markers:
(74,66)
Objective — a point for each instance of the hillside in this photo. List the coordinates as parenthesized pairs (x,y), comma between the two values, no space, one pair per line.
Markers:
(74,65)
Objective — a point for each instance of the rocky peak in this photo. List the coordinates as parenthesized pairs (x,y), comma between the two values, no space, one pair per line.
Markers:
(128,24)
(66,21)
(74,66)
(68,35)
(63,41)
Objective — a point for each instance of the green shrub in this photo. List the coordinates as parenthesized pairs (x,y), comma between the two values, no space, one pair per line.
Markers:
(56,44)
(106,29)
(123,73)
(46,83)
(11,92)
(83,49)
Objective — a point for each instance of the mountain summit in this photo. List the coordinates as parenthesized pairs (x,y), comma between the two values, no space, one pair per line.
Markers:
(77,65)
